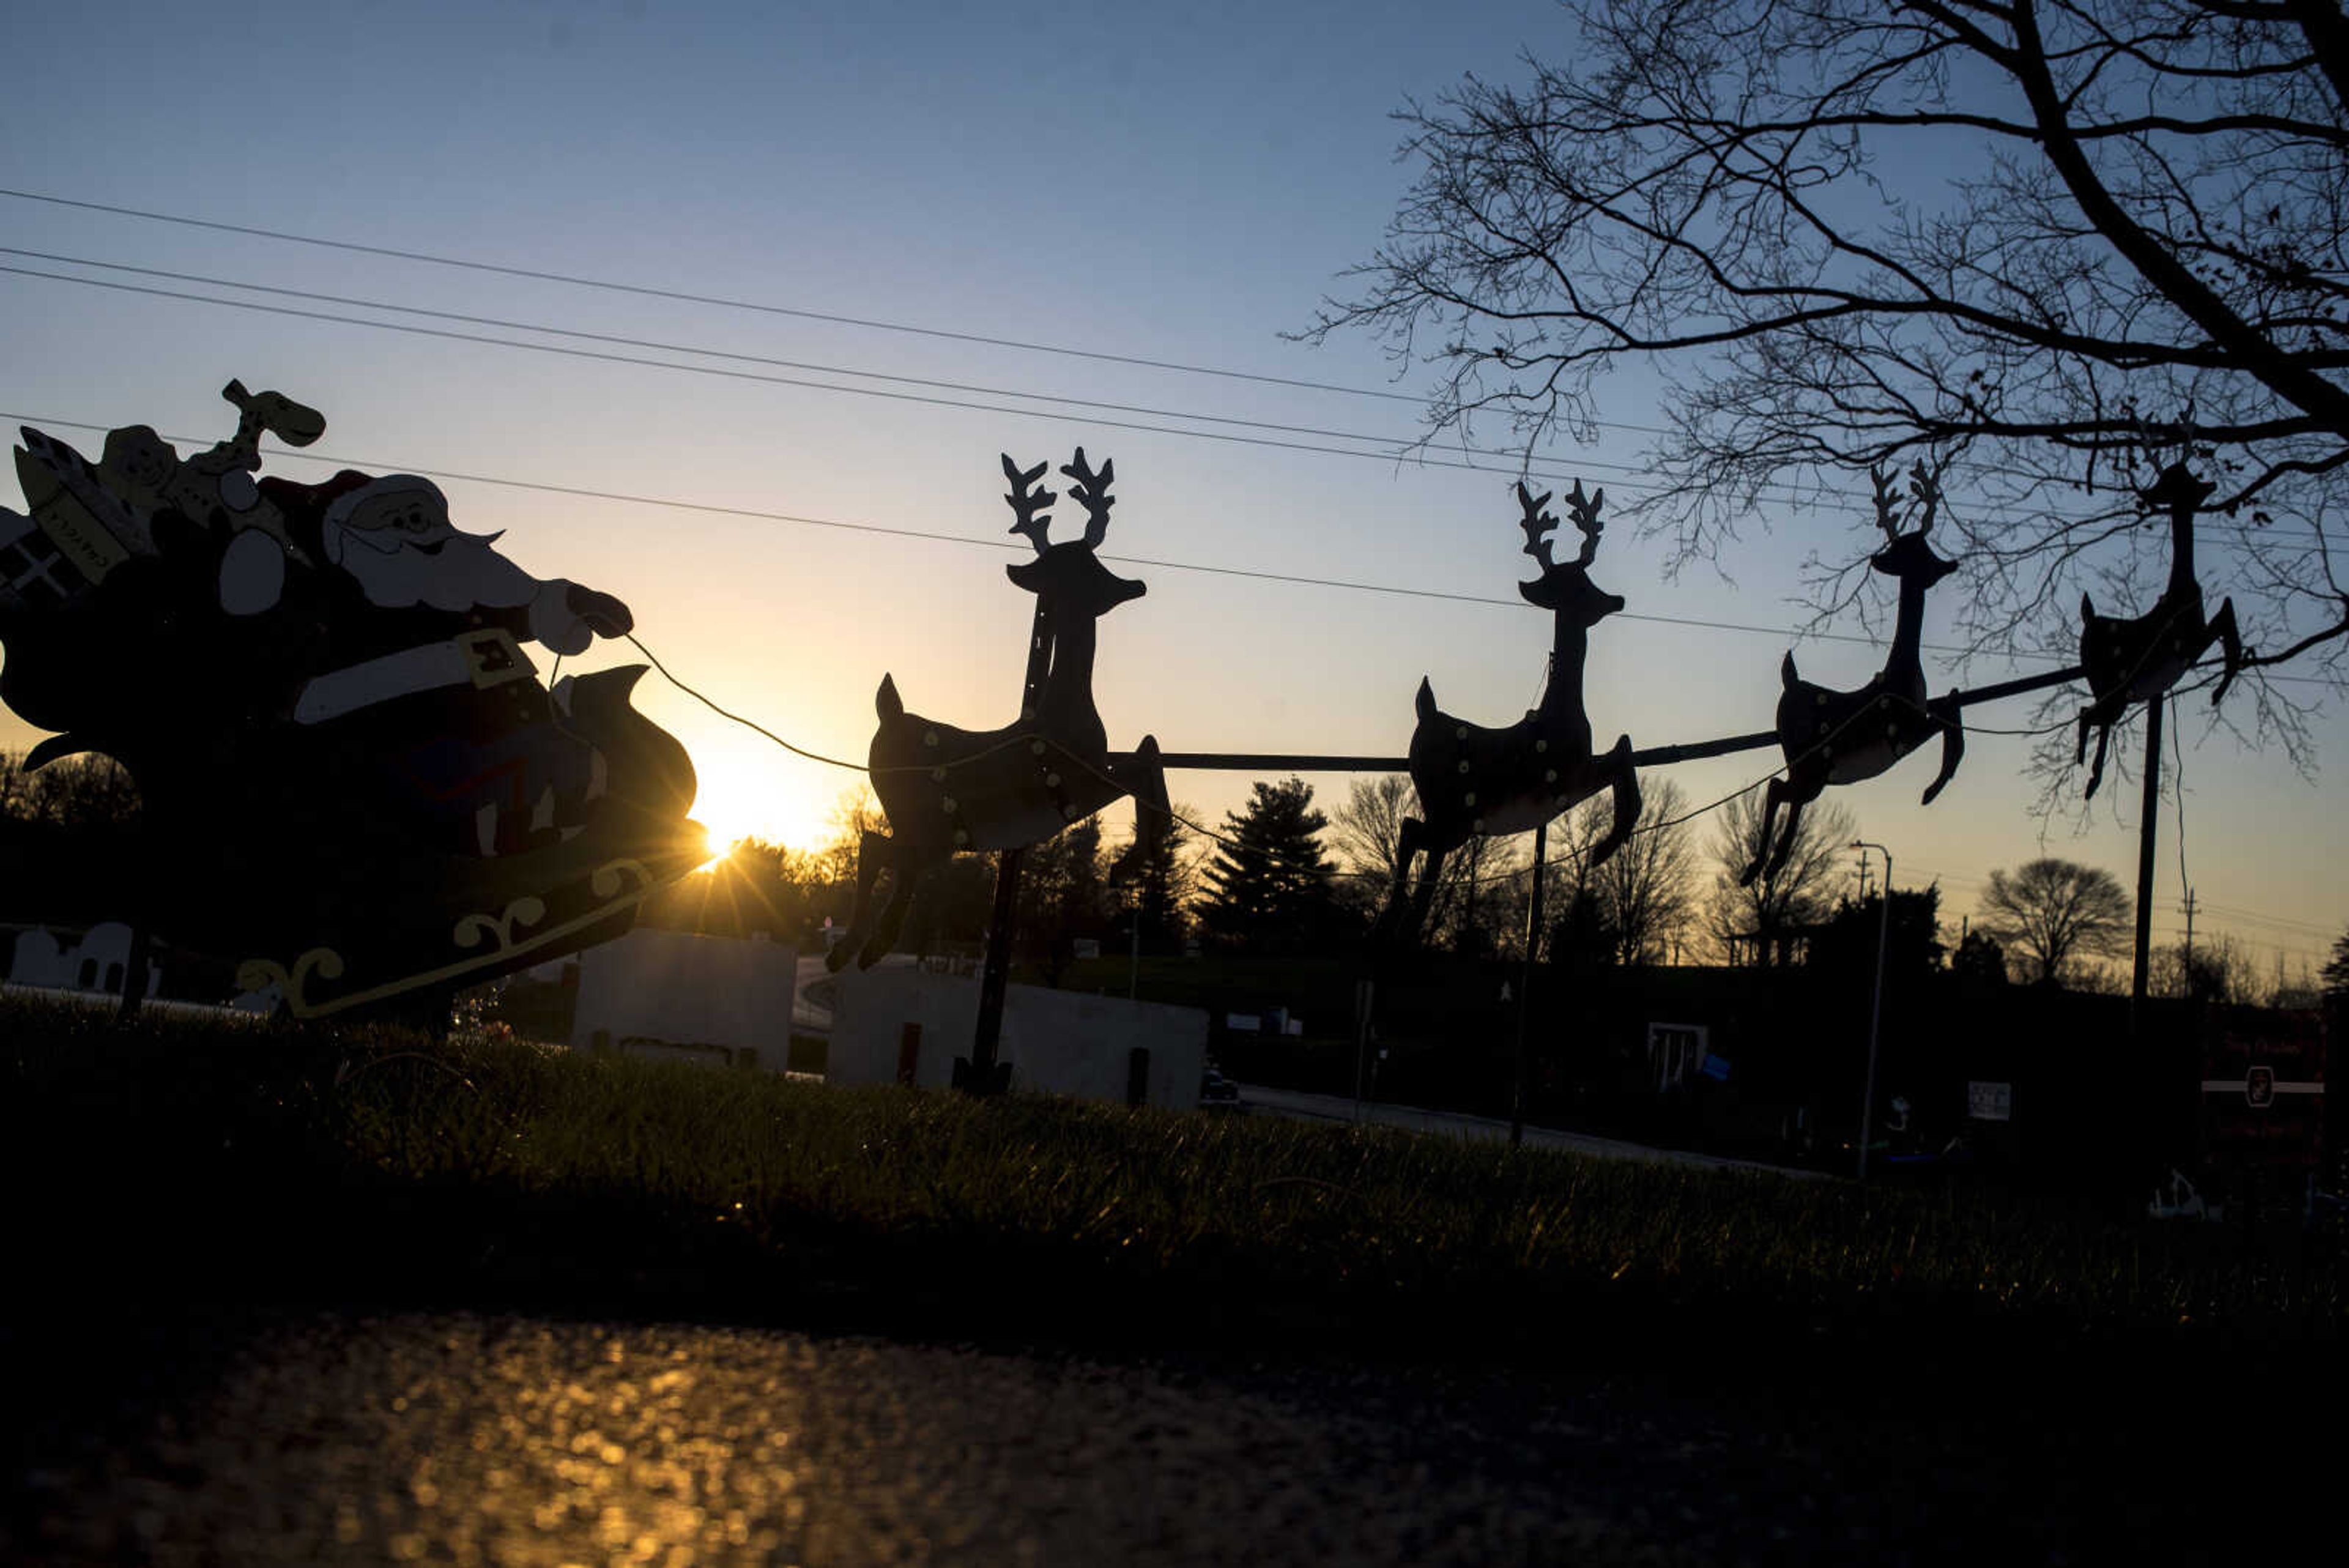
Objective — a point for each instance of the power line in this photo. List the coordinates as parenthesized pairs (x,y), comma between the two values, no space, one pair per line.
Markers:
(539,276)
(411,328)
(1393,448)
(757,514)
(1397,443)
(1156,563)
(1787,495)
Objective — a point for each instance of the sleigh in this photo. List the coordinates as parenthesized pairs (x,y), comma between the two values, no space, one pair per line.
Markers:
(353,780)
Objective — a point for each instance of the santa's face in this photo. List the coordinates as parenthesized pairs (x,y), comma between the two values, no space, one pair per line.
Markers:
(394,535)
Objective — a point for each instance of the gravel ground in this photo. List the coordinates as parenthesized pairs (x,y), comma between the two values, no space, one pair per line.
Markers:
(256,1439)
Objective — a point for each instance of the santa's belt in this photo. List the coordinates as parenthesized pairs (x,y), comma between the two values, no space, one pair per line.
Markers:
(481,660)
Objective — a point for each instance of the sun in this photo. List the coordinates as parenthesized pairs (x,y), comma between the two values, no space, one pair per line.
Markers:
(750,803)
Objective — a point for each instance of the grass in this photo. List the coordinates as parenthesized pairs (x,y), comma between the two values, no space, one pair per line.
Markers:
(356,1160)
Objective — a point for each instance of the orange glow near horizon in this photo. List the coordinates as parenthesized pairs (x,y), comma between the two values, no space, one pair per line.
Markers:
(738,804)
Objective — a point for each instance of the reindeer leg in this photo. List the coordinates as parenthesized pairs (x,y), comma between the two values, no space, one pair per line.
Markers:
(1786,834)
(1423,895)
(1627,800)
(1387,931)
(873,852)
(911,864)
(1770,799)
(1953,743)
(2096,770)
(2223,627)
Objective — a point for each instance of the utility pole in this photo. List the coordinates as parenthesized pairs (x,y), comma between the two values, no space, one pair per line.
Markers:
(2189,925)
(2149,814)
(1876,1014)
(1526,987)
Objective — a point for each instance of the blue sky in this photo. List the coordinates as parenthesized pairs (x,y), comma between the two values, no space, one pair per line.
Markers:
(1175,183)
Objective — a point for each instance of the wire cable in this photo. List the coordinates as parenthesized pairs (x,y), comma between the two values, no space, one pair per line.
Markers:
(1396,443)
(1402,450)
(1420,458)
(1789,635)
(539,276)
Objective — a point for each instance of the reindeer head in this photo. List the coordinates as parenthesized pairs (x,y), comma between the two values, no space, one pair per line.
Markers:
(1069,574)
(1907,556)
(2177,492)
(1567,590)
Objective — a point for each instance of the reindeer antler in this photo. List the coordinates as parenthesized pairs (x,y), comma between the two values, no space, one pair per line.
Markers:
(1925,484)
(1584,510)
(1887,502)
(1091,491)
(1030,507)
(1537,525)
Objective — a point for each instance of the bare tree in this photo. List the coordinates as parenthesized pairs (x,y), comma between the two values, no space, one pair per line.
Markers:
(1640,899)
(90,789)
(2216,968)
(1366,834)
(2049,913)
(1487,915)
(854,813)
(1754,922)
(2143,250)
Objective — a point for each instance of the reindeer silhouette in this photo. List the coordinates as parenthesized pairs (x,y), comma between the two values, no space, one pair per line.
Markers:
(1841,737)
(946,789)
(2136,660)
(1474,782)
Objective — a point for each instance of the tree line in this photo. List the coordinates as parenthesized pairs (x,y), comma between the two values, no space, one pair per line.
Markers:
(1281,878)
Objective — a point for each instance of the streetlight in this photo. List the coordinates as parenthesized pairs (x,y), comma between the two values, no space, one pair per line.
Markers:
(1876,1014)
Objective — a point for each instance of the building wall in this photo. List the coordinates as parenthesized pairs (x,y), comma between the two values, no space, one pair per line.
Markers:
(1057,1042)
(674,994)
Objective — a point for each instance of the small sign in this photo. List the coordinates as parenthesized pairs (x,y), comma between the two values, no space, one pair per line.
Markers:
(1086,947)
(1716,1067)
(1990,1102)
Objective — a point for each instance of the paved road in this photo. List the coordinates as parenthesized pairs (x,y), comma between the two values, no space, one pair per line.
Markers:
(1455,1124)
(457,1438)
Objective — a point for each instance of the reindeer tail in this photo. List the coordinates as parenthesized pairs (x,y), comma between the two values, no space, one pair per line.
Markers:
(886,702)
(1425,701)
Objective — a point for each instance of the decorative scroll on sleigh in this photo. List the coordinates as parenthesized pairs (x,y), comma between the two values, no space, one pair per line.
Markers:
(353,780)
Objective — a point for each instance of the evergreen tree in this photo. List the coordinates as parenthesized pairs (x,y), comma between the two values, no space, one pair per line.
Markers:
(1847,940)
(1980,960)
(1163,884)
(1268,887)
(2336,968)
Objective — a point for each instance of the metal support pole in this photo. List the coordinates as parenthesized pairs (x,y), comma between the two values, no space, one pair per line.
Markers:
(2149,812)
(1526,987)
(979,1074)
(1876,1013)
(1365,997)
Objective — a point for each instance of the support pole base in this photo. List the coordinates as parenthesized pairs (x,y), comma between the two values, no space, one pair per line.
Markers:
(996,1079)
